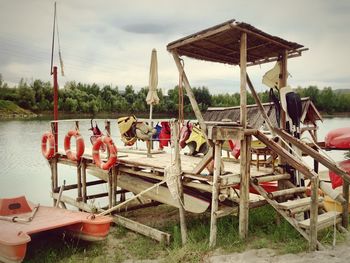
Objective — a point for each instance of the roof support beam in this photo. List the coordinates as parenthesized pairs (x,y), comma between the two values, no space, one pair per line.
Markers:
(245,144)
(190,94)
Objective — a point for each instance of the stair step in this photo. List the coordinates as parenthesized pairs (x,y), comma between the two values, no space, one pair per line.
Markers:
(269,178)
(288,191)
(323,221)
(296,203)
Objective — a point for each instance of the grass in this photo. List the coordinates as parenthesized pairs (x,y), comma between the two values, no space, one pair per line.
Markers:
(123,244)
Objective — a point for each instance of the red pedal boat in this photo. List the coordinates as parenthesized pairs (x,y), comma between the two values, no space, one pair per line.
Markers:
(338,139)
(19,219)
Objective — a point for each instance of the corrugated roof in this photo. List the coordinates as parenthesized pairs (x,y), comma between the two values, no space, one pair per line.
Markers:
(254,117)
(221,43)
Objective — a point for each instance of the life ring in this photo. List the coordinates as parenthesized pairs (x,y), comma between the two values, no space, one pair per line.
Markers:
(112,149)
(80,146)
(48,152)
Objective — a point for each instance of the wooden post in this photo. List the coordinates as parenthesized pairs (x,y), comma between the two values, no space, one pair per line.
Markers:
(175,139)
(190,94)
(79,181)
(108,127)
(345,215)
(109,183)
(114,185)
(245,144)
(83,181)
(314,213)
(215,194)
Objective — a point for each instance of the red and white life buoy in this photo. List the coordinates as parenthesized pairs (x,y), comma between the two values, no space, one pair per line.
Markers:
(48,152)
(112,149)
(80,146)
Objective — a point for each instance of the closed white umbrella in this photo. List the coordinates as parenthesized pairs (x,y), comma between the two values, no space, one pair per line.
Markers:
(152,97)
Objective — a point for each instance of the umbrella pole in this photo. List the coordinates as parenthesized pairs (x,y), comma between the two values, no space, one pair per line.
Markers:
(150,143)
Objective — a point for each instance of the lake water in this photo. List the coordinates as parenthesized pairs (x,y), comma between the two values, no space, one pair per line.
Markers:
(24,171)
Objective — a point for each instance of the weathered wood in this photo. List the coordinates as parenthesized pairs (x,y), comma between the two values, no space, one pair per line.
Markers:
(245,143)
(74,186)
(127,223)
(95,196)
(225,133)
(291,204)
(258,103)
(83,180)
(290,220)
(305,208)
(60,194)
(204,162)
(314,154)
(225,211)
(114,185)
(162,194)
(177,162)
(292,160)
(270,178)
(109,183)
(324,220)
(114,208)
(229,179)
(314,213)
(153,233)
(79,192)
(215,194)
(288,191)
(244,187)
(345,215)
(190,94)
(243,80)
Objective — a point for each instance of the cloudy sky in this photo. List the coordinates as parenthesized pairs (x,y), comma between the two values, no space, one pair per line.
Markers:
(110,41)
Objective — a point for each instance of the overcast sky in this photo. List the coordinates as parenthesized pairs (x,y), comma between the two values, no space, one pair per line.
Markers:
(110,41)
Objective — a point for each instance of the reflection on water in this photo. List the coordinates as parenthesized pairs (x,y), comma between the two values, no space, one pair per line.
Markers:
(24,171)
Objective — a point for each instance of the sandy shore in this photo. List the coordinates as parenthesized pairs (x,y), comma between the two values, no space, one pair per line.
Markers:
(339,254)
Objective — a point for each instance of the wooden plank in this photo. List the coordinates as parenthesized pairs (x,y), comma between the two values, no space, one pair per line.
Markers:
(305,208)
(229,179)
(292,160)
(190,95)
(177,162)
(295,203)
(270,178)
(225,133)
(204,162)
(225,211)
(345,216)
(245,143)
(288,191)
(314,213)
(290,220)
(322,219)
(161,194)
(153,233)
(127,223)
(215,194)
(197,37)
(314,154)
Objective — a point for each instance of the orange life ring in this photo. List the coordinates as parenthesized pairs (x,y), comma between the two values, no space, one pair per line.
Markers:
(48,152)
(112,149)
(80,146)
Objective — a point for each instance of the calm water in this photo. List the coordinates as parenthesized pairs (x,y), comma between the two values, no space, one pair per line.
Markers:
(23,169)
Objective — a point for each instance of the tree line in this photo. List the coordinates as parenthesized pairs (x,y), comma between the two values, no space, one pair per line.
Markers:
(37,96)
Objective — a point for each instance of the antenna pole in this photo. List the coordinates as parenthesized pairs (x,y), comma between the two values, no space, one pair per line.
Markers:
(53,39)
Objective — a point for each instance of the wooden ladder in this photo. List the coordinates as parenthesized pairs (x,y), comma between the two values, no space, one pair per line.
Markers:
(295,205)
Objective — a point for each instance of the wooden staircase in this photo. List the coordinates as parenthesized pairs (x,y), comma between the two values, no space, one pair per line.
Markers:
(292,203)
